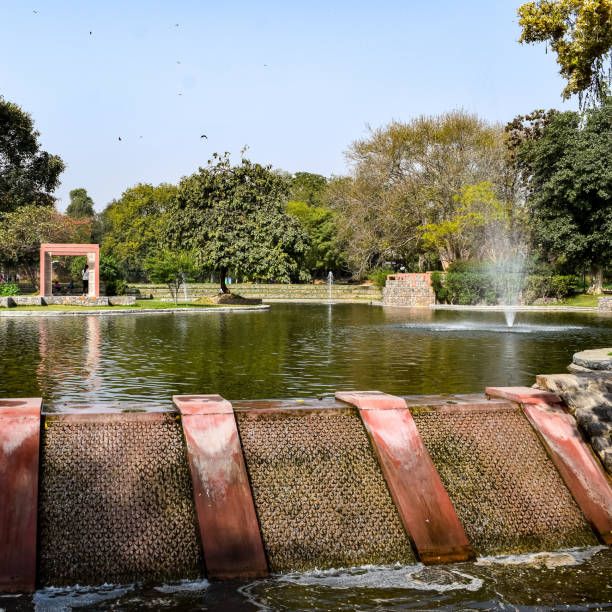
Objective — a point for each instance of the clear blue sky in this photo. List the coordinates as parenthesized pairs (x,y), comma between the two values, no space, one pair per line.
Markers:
(295,81)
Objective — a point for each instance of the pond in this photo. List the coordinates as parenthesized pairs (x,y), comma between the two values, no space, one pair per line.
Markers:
(297,350)
(292,350)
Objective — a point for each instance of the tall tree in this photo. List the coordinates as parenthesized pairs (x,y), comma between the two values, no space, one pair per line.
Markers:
(307,187)
(27,174)
(23,230)
(132,226)
(325,252)
(580,33)
(569,175)
(81,205)
(233,218)
(408,175)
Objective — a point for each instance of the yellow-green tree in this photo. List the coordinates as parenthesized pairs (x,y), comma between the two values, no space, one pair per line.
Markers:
(580,33)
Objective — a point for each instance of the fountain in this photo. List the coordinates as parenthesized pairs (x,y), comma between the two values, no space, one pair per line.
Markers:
(184,286)
(330,282)
(507,268)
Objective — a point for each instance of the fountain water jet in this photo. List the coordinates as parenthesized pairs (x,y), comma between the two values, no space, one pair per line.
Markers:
(330,282)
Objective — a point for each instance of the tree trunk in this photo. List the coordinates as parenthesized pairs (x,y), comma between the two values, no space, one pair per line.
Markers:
(224,288)
(596,280)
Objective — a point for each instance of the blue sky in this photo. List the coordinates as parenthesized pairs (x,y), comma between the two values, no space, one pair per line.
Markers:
(295,81)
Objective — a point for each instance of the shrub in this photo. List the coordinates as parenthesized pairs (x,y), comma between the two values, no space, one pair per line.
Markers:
(9,289)
(557,287)
(115,287)
(437,284)
(379,276)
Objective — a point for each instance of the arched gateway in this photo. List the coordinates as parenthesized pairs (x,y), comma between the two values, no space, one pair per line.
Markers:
(92,251)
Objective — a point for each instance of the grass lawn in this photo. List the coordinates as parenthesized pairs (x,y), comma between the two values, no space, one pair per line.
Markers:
(582,299)
(142,304)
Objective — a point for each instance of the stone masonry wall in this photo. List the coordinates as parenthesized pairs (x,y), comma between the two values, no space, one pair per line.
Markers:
(605,304)
(409,290)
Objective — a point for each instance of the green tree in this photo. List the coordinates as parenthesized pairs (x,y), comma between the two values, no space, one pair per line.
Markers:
(23,230)
(325,252)
(580,33)
(233,218)
(81,205)
(171,268)
(27,174)
(569,176)
(307,187)
(408,175)
(132,227)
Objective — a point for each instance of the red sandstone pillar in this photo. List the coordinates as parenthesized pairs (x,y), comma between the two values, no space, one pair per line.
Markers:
(229,529)
(574,459)
(421,499)
(19,449)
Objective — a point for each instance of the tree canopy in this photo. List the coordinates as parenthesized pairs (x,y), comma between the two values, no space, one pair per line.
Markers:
(28,176)
(81,205)
(569,177)
(233,218)
(580,33)
(406,176)
(134,225)
(23,230)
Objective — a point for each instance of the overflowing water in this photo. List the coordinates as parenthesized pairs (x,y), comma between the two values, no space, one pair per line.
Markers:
(570,579)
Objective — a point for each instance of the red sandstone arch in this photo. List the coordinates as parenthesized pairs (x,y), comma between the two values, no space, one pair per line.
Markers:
(92,251)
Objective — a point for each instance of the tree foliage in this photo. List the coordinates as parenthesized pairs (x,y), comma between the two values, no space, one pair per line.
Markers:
(23,230)
(307,187)
(406,176)
(81,205)
(133,226)
(325,252)
(234,220)
(27,174)
(171,268)
(580,33)
(569,174)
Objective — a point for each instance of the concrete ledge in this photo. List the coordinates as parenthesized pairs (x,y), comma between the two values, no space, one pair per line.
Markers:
(19,451)
(229,529)
(523,395)
(122,311)
(417,490)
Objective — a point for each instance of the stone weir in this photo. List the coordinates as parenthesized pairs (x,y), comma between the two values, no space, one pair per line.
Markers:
(240,490)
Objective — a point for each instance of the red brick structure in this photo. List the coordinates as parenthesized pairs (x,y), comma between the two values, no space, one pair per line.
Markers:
(413,290)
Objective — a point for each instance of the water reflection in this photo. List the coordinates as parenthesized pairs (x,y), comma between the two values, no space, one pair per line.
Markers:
(291,350)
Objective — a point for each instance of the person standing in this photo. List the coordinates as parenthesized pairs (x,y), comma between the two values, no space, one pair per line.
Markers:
(85,276)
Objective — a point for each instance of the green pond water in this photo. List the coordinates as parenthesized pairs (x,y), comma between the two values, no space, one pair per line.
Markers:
(291,350)
(296,350)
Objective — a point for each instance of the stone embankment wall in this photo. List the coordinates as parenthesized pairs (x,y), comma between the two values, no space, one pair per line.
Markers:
(268,292)
(587,392)
(605,304)
(409,290)
(67,300)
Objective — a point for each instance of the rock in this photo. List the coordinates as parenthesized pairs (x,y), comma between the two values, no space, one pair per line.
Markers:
(606,458)
(595,359)
(600,444)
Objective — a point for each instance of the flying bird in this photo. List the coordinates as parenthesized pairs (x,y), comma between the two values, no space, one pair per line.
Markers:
(178,62)
(90,32)
(204,136)
(119,138)
(35,12)
(176,25)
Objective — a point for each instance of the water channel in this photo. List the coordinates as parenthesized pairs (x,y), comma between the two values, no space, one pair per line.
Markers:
(140,361)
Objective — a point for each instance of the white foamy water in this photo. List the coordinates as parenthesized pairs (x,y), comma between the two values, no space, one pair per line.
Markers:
(473,326)
(184,586)
(74,597)
(548,560)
